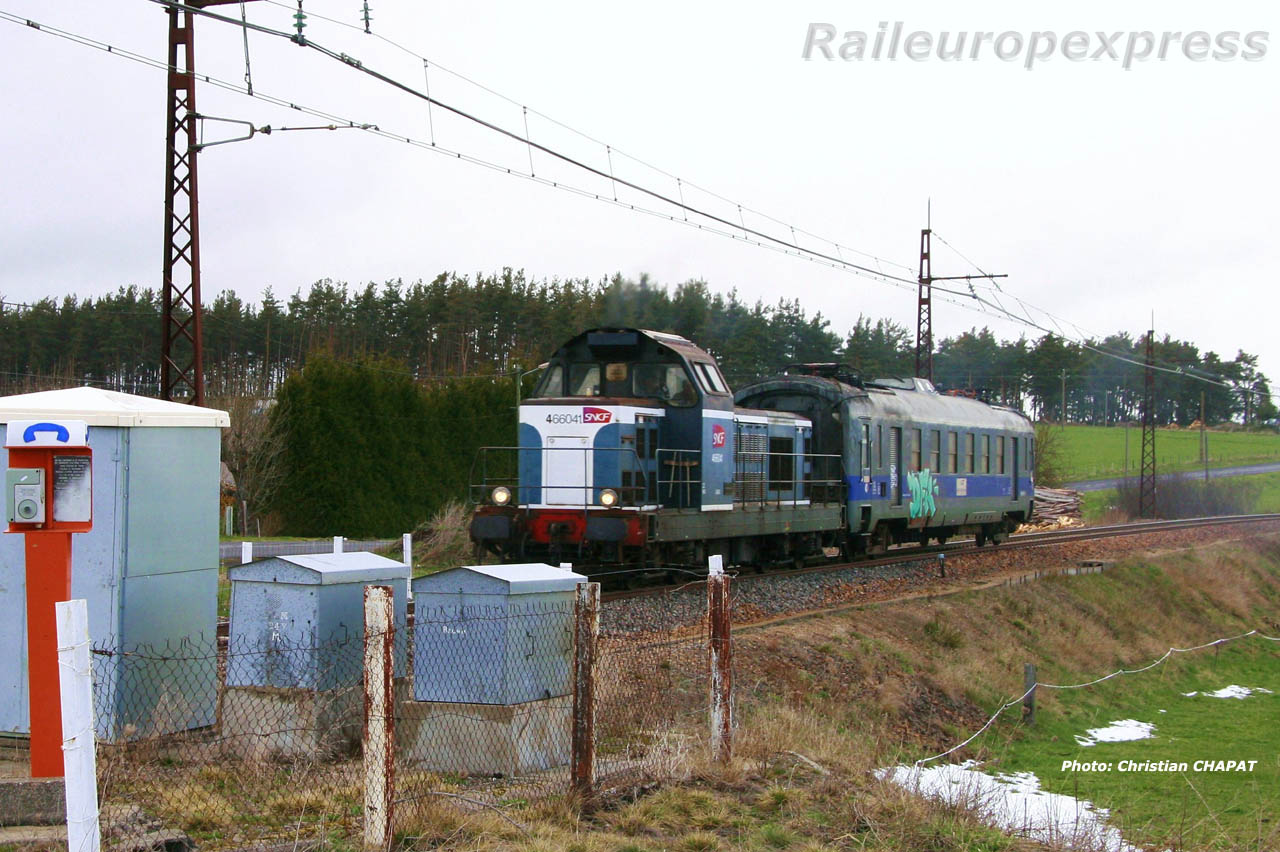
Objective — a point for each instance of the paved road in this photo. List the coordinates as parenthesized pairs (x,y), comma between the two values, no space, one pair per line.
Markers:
(229,551)
(1214,473)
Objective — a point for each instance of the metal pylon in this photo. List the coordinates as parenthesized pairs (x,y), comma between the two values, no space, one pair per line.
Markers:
(924,310)
(182,356)
(1147,484)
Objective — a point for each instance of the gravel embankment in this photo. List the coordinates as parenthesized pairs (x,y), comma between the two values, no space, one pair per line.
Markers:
(760,597)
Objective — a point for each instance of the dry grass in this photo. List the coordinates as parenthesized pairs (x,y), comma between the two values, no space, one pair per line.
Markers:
(820,703)
(444,541)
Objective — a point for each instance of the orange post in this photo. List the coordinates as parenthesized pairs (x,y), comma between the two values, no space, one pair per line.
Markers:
(60,450)
(48,582)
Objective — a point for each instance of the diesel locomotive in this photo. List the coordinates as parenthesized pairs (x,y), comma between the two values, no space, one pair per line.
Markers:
(634,455)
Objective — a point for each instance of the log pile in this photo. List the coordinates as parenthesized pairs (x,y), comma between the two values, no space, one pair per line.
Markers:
(1056,507)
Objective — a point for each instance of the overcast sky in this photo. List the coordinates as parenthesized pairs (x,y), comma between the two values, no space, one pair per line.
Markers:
(1104,193)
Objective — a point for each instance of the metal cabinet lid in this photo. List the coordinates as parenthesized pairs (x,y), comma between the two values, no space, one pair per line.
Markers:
(322,569)
(525,579)
(99,407)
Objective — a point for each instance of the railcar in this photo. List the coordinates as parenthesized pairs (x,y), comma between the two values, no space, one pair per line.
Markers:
(919,464)
(634,455)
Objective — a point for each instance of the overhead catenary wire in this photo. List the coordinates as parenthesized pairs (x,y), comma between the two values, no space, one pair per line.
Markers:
(722,226)
(731,231)
(655,194)
(1084,336)
(590,138)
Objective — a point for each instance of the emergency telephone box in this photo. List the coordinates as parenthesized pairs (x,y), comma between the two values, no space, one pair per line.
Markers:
(148,567)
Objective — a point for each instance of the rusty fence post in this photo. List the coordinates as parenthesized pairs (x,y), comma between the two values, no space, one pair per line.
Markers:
(379,717)
(720,660)
(586,634)
(1029,698)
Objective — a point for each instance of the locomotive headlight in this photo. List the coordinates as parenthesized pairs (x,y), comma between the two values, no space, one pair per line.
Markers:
(500,496)
(608,498)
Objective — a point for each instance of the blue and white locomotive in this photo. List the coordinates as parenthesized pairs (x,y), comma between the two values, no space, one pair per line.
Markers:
(633,454)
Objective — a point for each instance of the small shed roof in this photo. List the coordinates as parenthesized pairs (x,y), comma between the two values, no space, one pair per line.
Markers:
(99,407)
(524,579)
(322,569)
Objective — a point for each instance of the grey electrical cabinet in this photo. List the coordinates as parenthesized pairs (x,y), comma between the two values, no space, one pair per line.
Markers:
(148,569)
(493,634)
(297,622)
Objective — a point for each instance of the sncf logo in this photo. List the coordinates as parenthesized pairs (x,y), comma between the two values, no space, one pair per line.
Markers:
(717,435)
(596,415)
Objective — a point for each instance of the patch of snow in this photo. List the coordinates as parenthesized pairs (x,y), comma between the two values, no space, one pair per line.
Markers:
(1117,732)
(1014,803)
(1232,691)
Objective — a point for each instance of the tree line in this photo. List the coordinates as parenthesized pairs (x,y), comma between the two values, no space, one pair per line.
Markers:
(464,326)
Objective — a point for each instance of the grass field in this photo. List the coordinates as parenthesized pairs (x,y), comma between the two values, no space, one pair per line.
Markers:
(1182,809)
(1098,452)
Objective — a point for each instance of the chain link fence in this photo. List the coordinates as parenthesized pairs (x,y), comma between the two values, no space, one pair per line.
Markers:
(256,742)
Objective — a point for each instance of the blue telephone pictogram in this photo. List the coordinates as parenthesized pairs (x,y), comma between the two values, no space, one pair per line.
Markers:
(60,432)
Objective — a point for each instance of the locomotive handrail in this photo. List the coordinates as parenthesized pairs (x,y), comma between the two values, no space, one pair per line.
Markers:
(818,487)
(479,490)
(678,481)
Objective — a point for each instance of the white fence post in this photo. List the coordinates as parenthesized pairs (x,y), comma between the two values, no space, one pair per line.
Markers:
(719,660)
(379,717)
(76,687)
(337,544)
(407,543)
(246,552)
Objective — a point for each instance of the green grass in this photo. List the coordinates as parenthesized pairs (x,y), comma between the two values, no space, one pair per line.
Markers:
(1197,810)
(1097,452)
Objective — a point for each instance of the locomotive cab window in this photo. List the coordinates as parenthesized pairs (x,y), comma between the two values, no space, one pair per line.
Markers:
(709,377)
(668,382)
(552,384)
(584,380)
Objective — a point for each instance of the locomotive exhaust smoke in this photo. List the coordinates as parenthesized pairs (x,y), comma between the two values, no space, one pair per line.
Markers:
(889,42)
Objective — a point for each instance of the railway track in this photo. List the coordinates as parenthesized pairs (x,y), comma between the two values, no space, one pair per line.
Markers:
(906,553)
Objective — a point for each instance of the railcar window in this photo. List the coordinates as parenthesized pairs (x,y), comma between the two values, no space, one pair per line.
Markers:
(880,443)
(986,453)
(916,449)
(968,453)
(1031,458)
(1000,454)
(552,383)
(584,380)
(936,452)
(952,452)
(866,446)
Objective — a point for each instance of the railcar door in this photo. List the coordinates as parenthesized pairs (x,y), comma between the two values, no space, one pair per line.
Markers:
(895,464)
(1016,466)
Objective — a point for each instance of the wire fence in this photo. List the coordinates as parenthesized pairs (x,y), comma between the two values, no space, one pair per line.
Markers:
(1026,699)
(255,740)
